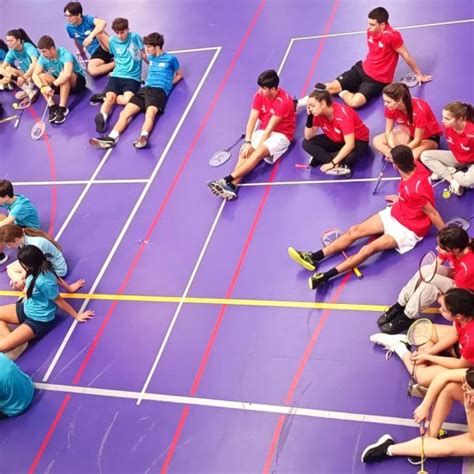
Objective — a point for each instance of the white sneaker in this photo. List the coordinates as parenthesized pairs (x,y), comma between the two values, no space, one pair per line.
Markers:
(303,102)
(435,177)
(456,188)
(388,341)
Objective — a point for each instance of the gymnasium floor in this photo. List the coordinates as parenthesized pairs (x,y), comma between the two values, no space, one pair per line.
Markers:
(208,353)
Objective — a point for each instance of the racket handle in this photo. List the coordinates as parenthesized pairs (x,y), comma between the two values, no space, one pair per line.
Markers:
(302,166)
(357,272)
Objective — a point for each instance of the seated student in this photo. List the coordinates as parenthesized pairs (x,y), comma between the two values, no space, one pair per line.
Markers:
(20,62)
(20,211)
(446,387)
(57,72)
(457,306)
(275,111)
(455,248)
(89,33)
(401,225)
(163,73)
(4,80)
(417,126)
(366,79)
(124,81)
(35,314)
(345,137)
(16,389)
(15,237)
(458,121)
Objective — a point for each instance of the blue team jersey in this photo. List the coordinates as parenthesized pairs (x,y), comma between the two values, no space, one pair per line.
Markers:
(82,31)
(23,211)
(50,251)
(22,59)
(127,56)
(161,71)
(55,66)
(40,306)
(3,54)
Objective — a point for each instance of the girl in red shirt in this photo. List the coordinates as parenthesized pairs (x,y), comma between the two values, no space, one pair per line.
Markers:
(409,121)
(458,121)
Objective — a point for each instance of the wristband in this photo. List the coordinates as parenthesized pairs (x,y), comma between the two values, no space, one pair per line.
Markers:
(309,121)
(247,141)
(333,164)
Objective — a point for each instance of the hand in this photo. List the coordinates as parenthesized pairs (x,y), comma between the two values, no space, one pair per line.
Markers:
(391,198)
(420,357)
(20,81)
(247,150)
(47,91)
(83,317)
(421,413)
(87,41)
(18,285)
(469,400)
(326,167)
(73,287)
(389,157)
(423,78)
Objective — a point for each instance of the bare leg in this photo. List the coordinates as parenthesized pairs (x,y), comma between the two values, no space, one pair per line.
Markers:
(150,117)
(452,391)
(333,87)
(125,117)
(354,100)
(16,338)
(424,146)
(109,101)
(461,445)
(125,98)
(246,165)
(97,67)
(398,136)
(65,89)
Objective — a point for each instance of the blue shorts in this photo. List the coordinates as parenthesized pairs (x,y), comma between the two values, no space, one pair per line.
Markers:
(39,328)
(119,85)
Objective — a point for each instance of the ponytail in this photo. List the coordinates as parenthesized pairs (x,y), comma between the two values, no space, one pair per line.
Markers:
(21,34)
(10,232)
(460,110)
(399,91)
(34,262)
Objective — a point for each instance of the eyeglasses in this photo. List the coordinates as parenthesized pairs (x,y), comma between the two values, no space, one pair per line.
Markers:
(68,15)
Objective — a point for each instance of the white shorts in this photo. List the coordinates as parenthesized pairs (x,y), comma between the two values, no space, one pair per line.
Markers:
(406,239)
(277,144)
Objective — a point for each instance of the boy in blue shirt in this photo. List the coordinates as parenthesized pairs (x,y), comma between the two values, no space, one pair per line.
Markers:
(128,52)
(20,211)
(57,72)
(89,34)
(163,72)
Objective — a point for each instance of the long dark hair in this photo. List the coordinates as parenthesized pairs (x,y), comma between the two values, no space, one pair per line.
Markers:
(3,45)
(20,34)
(399,91)
(470,377)
(32,259)
(460,110)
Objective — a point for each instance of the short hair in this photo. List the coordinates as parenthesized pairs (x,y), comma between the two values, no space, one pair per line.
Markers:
(6,188)
(453,237)
(46,42)
(120,24)
(460,301)
(380,14)
(470,377)
(320,93)
(268,78)
(74,8)
(403,157)
(154,39)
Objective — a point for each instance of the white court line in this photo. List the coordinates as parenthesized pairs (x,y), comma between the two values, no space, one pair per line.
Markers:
(181,303)
(409,27)
(239,405)
(133,213)
(80,181)
(318,181)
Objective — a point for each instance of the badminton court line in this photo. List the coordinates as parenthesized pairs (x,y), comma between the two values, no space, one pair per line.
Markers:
(80,181)
(133,212)
(239,405)
(318,181)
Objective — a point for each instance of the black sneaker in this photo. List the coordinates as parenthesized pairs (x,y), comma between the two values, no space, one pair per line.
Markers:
(97,99)
(3,258)
(61,115)
(303,258)
(378,450)
(99,123)
(103,142)
(398,324)
(390,314)
(316,280)
(53,109)
(2,111)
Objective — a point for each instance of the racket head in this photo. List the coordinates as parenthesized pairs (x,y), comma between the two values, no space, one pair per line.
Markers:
(428,266)
(38,130)
(330,235)
(420,332)
(460,222)
(23,104)
(219,158)
(339,171)
(409,79)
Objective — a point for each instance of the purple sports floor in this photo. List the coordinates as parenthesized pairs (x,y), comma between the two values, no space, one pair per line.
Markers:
(208,353)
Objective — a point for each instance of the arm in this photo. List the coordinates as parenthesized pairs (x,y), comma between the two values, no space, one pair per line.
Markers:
(73,287)
(178,75)
(447,362)
(408,58)
(388,134)
(144,56)
(65,306)
(349,143)
(434,216)
(99,28)
(8,220)
(251,123)
(310,130)
(65,75)
(272,123)
(31,69)
(36,79)
(417,139)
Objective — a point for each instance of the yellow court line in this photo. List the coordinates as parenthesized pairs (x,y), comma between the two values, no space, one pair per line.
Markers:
(221,301)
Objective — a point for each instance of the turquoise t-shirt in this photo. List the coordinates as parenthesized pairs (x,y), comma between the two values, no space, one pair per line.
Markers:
(55,66)
(3,55)
(82,31)
(41,305)
(16,388)
(127,56)
(161,71)
(22,59)
(51,252)
(23,211)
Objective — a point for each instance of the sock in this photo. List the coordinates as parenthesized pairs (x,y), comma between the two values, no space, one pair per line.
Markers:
(317,256)
(105,116)
(114,134)
(389,451)
(400,349)
(228,179)
(144,133)
(331,273)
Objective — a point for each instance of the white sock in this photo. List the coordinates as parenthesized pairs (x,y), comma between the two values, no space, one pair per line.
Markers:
(105,116)
(303,101)
(114,134)
(144,133)
(400,349)
(389,451)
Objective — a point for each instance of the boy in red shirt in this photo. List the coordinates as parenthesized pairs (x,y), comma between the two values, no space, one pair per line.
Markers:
(366,79)
(401,226)
(274,109)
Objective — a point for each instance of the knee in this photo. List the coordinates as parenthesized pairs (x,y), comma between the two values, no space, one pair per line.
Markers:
(353,232)
(379,140)
(93,70)
(305,144)
(151,113)
(367,250)
(110,98)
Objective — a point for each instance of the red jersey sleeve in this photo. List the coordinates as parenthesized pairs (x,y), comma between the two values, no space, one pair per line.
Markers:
(466,341)
(257,102)
(282,107)
(345,122)
(390,114)
(396,40)
(420,116)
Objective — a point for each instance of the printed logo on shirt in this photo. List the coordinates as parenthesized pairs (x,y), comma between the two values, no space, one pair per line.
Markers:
(450,140)
(381,45)
(465,148)
(135,52)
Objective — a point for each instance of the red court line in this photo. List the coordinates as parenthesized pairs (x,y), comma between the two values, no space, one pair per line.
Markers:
(141,249)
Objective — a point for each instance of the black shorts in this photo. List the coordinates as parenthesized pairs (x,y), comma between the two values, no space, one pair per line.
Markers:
(434,138)
(356,80)
(101,53)
(119,85)
(79,87)
(150,97)
(39,328)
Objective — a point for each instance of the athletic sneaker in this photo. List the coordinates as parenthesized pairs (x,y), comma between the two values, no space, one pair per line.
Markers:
(53,109)
(2,111)
(61,115)
(97,99)
(6,87)
(3,258)
(103,142)
(316,280)
(223,189)
(388,341)
(390,314)
(99,123)
(378,450)
(34,95)
(418,390)
(303,258)
(397,325)
(20,95)
(456,188)
(141,142)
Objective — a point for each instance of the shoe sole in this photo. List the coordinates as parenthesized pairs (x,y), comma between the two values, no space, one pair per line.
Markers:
(293,253)
(388,348)
(100,144)
(218,190)
(310,283)
(380,441)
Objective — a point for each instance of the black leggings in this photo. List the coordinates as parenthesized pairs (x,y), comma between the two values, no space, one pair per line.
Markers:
(320,148)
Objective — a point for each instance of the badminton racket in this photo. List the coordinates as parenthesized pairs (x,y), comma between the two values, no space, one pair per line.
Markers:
(410,79)
(219,157)
(21,106)
(8,119)
(339,171)
(38,129)
(302,166)
(460,222)
(379,179)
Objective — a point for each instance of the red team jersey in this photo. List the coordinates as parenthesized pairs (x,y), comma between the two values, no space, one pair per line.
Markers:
(414,194)
(463,268)
(461,144)
(344,122)
(382,58)
(423,117)
(466,340)
(281,106)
